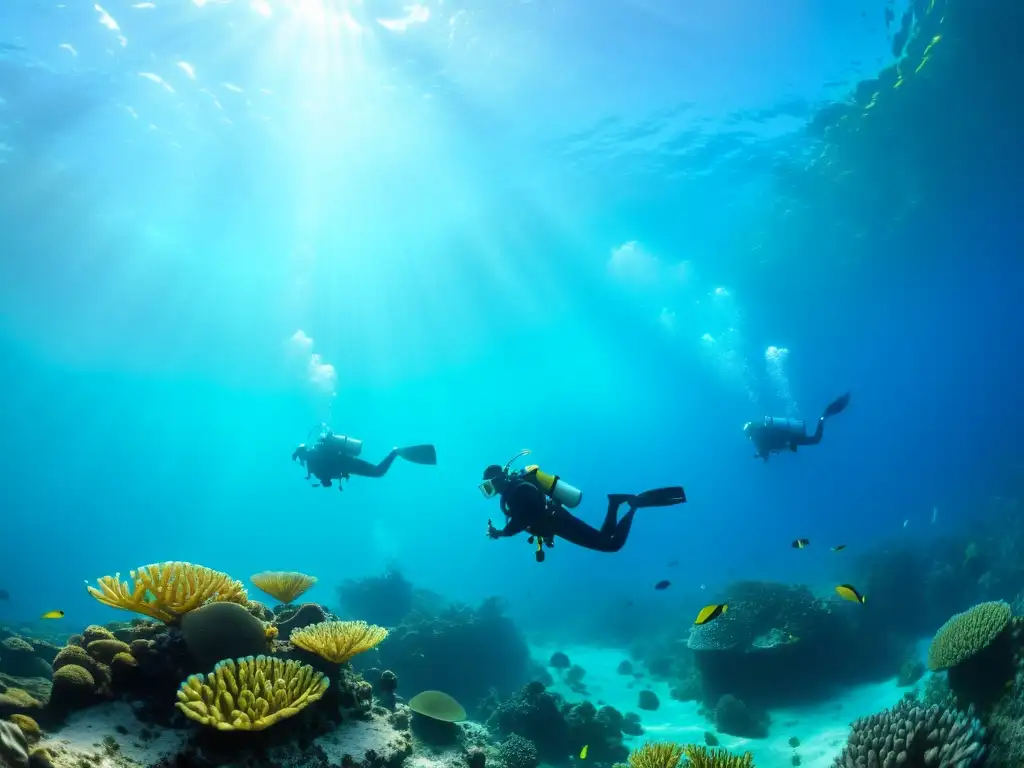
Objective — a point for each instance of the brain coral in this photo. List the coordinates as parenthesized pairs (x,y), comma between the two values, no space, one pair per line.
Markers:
(967,633)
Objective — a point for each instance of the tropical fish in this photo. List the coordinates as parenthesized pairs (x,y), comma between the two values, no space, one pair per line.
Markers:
(710,613)
(838,547)
(583,752)
(847,592)
(53,615)
(663,584)
(800,543)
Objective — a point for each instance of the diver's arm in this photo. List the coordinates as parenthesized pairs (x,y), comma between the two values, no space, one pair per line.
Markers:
(512,528)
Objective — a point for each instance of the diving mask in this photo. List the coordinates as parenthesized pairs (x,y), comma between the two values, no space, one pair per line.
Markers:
(488,487)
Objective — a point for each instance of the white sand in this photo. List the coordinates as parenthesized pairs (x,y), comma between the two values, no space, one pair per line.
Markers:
(821,729)
(83,734)
(357,737)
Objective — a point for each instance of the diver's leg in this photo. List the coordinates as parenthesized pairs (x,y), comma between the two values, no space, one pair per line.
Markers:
(621,533)
(815,438)
(366,469)
(565,525)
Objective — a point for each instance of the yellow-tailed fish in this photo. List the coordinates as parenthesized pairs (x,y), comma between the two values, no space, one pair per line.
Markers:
(710,613)
(583,752)
(800,543)
(847,592)
(53,615)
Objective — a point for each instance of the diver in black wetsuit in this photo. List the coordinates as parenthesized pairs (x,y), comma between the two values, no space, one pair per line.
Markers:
(335,457)
(533,502)
(774,434)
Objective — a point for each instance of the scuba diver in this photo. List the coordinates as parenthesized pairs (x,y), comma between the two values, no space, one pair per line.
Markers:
(774,434)
(536,502)
(336,457)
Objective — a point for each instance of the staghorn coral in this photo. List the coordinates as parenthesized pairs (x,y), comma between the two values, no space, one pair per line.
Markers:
(909,734)
(283,586)
(967,634)
(702,757)
(663,754)
(338,641)
(250,694)
(166,591)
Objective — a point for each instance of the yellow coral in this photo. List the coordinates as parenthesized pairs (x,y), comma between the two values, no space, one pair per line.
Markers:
(28,726)
(662,754)
(702,757)
(165,591)
(338,641)
(283,586)
(250,694)
(270,631)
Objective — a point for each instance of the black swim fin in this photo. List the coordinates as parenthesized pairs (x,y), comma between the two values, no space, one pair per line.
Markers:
(419,454)
(659,497)
(837,406)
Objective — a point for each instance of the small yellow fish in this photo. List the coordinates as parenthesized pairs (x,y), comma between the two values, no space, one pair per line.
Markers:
(847,592)
(800,543)
(583,752)
(710,613)
(53,615)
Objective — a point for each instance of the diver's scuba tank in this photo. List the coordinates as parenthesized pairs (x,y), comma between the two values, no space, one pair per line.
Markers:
(789,426)
(342,444)
(553,486)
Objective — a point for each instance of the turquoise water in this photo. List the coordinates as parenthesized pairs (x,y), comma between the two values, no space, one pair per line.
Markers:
(609,233)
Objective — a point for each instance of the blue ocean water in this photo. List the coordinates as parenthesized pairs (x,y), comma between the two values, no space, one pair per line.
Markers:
(585,229)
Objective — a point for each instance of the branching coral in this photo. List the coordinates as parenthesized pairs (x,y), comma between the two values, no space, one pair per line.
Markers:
(967,634)
(338,641)
(702,757)
(662,754)
(165,591)
(283,586)
(250,694)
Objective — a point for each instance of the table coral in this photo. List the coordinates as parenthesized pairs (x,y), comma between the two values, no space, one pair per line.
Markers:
(166,591)
(338,641)
(283,586)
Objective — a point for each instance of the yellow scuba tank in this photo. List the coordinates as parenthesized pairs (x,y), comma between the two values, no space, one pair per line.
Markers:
(555,487)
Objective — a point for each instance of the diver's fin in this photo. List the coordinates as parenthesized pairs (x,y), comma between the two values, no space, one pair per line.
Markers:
(419,454)
(659,497)
(838,405)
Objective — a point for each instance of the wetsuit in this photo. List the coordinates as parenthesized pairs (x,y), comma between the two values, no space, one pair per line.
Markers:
(528,509)
(775,434)
(327,464)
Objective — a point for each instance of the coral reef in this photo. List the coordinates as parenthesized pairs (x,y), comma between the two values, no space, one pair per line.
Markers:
(219,631)
(167,590)
(777,644)
(702,757)
(559,729)
(18,657)
(559,660)
(284,586)
(976,650)
(656,755)
(338,641)
(517,752)
(648,700)
(735,717)
(250,694)
(464,651)
(909,734)
(13,746)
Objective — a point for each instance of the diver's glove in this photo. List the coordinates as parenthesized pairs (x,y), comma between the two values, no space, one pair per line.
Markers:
(492,532)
